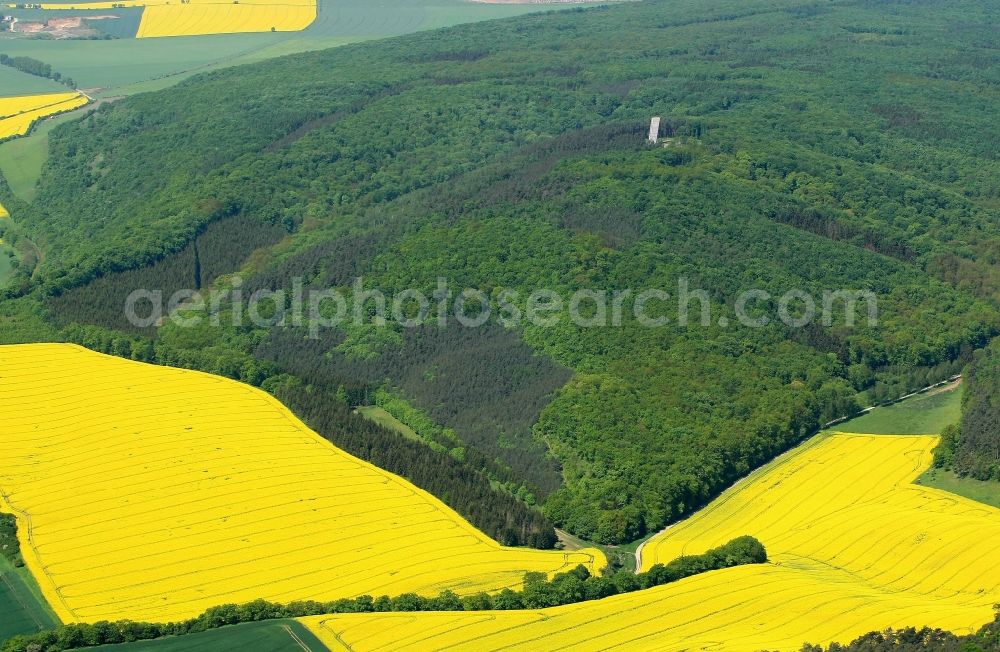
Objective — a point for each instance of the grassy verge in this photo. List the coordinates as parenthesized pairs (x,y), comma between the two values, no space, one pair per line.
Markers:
(621,557)
(927,414)
(924,414)
(987,493)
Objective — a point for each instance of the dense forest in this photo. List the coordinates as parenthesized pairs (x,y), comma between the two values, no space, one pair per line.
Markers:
(494,511)
(810,147)
(220,249)
(486,384)
(972,447)
(322,404)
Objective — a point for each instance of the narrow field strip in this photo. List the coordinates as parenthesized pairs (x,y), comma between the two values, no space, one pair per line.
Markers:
(195,19)
(854,547)
(12,106)
(164,18)
(17,114)
(150,493)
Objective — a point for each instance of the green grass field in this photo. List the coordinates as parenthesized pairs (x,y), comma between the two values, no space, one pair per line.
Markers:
(22,609)
(126,65)
(14,82)
(114,63)
(271,635)
(21,159)
(924,414)
(984,492)
(927,414)
(277,48)
(381,18)
(386,420)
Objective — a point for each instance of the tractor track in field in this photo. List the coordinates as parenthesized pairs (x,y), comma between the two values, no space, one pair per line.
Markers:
(297,639)
(24,607)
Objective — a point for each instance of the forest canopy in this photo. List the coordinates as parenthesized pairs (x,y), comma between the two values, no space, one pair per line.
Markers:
(972,447)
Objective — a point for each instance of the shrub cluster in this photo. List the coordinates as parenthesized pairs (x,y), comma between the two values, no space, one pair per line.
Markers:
(10,547)
(35,67)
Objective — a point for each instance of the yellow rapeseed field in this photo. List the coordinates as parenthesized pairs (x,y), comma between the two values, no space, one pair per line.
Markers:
(199,17)
(3,212)
(152,493)
(17,114)
(854,547)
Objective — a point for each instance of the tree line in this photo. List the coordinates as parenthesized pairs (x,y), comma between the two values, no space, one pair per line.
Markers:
(468,491)
(484,383)
(35,67)
(327,409)
(972,447)
(538,592)
(924,639)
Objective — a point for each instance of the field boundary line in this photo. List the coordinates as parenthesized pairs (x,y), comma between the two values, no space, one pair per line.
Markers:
(464,546)
(793,449)
(304,429)
(25,607)
(32,561)
(295,637)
